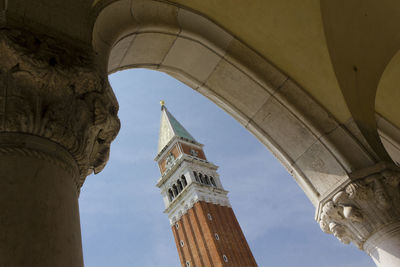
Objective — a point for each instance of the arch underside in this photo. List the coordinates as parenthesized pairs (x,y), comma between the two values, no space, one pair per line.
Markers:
(317,150)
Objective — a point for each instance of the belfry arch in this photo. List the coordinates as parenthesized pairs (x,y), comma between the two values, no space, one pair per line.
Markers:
(321,153)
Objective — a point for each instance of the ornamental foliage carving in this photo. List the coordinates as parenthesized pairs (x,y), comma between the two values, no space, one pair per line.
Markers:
(54,91)
(363,207)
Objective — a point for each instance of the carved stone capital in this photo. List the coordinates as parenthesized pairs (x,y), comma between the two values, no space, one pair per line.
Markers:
(363,207)
(52,90)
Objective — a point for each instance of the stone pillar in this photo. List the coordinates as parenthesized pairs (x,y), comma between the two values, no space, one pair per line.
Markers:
(58,117)
(39,205)
(366,212)
(384,245)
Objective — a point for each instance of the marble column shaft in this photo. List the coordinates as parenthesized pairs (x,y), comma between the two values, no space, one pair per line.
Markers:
(58,117)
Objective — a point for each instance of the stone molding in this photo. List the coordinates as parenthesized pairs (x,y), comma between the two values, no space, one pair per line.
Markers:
(190,196)
(364,206)
(24,145)
(33,153)
(54,91)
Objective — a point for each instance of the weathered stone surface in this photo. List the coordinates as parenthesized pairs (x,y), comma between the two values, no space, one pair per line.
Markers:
(240,55)
(39,223)
(118,52)
(155,15)
(364,206)
(54,91)
(284,128)
(148,49)
(346,148)
(321,168)
(195,59)
(384,246)
(309,111)
(237,88)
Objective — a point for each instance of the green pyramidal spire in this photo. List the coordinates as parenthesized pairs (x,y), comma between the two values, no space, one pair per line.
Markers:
(169,128)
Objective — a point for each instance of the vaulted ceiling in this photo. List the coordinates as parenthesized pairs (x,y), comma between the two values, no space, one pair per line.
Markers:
(343,53)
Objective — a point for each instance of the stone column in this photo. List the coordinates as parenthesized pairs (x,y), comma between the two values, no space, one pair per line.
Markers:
(58,117)
(366,212)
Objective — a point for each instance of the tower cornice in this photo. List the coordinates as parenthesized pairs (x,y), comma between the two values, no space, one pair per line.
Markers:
(172,142)
(191,195)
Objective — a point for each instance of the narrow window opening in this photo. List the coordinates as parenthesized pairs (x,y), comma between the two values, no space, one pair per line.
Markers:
(187,264)
(201,178)
(212,181)
(180,187)
(177,226)
(225,258)
(184,182)
(209,216)
(182,243)
(206,179)
(175,190)
(196,177)
(170,195)
(216,236)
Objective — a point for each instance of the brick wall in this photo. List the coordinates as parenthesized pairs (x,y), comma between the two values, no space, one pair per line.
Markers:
(197,229)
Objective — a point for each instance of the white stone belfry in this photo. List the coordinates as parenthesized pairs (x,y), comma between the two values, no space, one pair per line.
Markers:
(186,175)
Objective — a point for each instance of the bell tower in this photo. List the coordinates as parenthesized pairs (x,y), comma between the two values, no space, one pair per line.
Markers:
(204,225)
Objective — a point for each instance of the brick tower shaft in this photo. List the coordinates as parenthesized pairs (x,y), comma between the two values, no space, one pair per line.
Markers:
(204,225)
(209,235)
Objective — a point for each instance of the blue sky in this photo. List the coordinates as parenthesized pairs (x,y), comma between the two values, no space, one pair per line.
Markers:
(123,223)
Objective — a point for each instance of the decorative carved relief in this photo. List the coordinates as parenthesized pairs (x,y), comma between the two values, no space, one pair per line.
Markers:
(362,207)
(54,91)
(169,161)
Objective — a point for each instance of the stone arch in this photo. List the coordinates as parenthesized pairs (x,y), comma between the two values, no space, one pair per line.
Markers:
(319,152)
